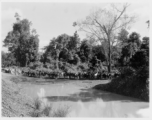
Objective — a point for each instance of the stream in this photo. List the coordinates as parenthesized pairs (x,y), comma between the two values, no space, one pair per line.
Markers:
(82,101)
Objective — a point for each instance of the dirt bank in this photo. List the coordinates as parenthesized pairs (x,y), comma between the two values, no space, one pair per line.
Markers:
(14,102)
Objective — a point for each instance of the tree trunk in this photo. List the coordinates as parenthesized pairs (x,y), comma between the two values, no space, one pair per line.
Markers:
(109,55)
(57,60)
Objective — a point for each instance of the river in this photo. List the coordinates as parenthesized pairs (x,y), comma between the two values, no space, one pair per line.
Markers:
(82,101)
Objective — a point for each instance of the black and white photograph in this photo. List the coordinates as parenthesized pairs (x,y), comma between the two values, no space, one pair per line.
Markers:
(81,59)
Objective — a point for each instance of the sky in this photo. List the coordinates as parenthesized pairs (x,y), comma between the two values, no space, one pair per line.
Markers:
(53,19)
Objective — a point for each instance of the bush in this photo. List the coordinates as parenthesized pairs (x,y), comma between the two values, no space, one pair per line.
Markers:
(45,110)
(126,72)
(131,82)
(62,112)
(35,65)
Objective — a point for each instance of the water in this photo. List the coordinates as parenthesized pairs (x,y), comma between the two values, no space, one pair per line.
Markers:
(83,102)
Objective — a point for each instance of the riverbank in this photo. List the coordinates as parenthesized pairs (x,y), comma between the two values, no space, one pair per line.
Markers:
(14,102)
(126,88)
(76,95)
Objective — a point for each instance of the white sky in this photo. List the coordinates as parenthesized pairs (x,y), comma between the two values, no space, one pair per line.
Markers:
(53,19)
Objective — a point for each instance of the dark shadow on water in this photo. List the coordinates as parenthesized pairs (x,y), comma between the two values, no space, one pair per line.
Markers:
(87,95)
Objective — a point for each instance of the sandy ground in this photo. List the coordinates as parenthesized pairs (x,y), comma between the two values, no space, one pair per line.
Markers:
(79,97)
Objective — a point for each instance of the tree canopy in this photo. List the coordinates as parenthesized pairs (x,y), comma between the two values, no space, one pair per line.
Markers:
(22,43)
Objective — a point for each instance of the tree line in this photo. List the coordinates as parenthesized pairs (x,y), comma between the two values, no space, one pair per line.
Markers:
(106,46)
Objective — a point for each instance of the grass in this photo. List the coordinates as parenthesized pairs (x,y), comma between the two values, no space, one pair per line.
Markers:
(62,112)
(37,104)
(46,110)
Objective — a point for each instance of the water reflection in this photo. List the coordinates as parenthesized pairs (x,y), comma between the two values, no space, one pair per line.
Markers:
(89,102)
(94,103)
(86,95)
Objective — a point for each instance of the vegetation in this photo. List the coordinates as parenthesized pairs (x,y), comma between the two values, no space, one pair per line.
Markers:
(134,78)
(103,25)
(45,110)
(22,43)
(107,52)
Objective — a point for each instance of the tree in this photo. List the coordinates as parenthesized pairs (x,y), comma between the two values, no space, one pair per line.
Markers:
(85,51)
(74,42)
(98,51)
(103,24)
(8,59)
(122,37)
(58,49)
(141,57)
(133,44)
(21,43)
(145,45)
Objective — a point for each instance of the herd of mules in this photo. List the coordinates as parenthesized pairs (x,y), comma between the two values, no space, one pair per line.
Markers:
(65,75)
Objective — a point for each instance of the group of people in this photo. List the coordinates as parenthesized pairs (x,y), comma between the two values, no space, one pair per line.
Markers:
(66,75)
(69,75)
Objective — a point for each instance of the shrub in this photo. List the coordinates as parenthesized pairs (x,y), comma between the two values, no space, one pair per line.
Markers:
(37,104)
(131,82)
(126,71)
(45,110)
(62,112)
(41,109)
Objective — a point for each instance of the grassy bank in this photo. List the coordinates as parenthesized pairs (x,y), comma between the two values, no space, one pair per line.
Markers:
(132,84)
(14,102)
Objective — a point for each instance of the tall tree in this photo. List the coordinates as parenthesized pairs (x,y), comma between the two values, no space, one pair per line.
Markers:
(74,42)
(103,24)
(21,43)
(85,51)
(132,46)
(122,37)
(58,48)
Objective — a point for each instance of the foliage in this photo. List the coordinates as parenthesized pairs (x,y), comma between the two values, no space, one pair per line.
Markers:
(103,24)
(22,43)
(107,45)
(98,51)
(62,112)
(8,59)
(122,37)
(46,110)
(134,78)
(139,59)
(132,45)
(85,51)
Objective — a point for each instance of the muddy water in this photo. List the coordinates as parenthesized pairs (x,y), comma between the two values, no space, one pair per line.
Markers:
(86,102)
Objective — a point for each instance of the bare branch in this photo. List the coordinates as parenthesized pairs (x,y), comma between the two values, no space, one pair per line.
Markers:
(131,19)
(117,18)
(98,23)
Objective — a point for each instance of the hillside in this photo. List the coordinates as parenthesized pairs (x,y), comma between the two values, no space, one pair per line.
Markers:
(14,102)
